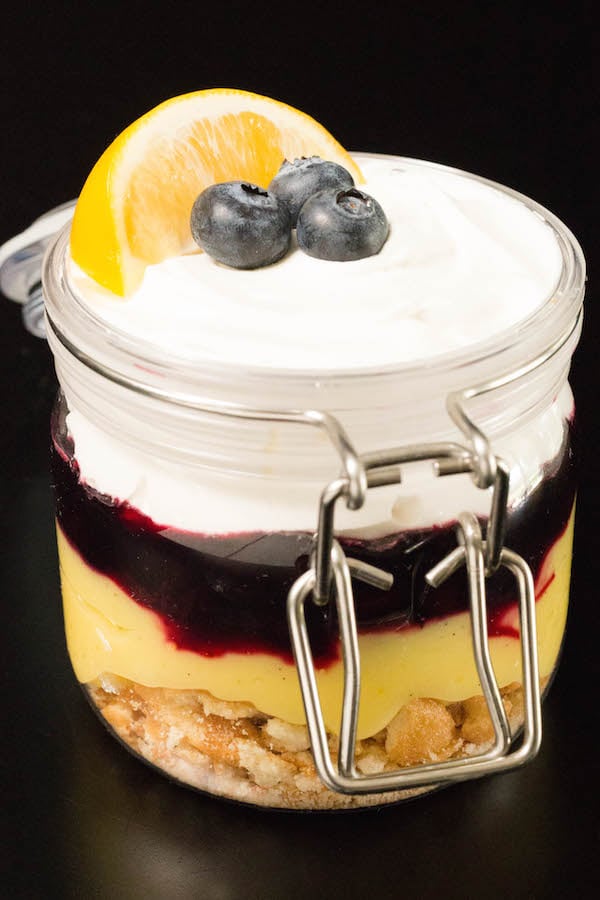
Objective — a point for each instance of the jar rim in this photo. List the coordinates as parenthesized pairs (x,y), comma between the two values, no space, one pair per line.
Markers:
(136,364)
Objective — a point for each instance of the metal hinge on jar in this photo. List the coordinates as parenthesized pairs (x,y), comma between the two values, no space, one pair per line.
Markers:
(329,579)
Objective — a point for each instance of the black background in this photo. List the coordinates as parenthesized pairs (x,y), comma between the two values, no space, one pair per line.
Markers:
(509,91)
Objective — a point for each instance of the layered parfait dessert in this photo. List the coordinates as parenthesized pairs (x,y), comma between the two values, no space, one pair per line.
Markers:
(181,534)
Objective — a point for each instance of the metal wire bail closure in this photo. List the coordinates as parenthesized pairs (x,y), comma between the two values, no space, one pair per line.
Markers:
(329,579)
(345,778)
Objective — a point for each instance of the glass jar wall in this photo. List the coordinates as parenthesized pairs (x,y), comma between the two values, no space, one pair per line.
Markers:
(182,526)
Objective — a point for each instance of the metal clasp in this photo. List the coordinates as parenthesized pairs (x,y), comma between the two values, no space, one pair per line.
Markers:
(383,468)
(346,779)
(329,578)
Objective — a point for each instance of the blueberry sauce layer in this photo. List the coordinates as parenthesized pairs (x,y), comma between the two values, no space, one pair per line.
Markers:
(227,593)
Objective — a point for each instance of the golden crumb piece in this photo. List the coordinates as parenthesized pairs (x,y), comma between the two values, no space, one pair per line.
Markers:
(373,762)
(284,736)
(219,738)
(309,783)
(267,769)
(233,749)
(423,731)
(118,716)
(477,725)
(513,693)
(227,709)
(457,712)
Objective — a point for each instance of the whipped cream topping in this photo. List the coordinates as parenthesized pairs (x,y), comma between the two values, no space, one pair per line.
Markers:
(463,261)
(211,501)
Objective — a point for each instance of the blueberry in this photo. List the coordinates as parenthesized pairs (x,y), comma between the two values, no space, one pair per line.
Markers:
(298,180)
(341,225)
(241,225)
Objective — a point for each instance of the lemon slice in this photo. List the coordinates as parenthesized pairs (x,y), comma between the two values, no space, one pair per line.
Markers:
(134,208)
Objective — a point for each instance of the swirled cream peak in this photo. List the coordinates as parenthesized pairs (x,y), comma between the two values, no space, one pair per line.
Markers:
(463,262)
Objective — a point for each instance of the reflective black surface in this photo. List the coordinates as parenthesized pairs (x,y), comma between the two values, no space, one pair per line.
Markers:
(507,94)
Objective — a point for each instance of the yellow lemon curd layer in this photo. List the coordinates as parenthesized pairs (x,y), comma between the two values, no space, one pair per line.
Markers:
(108,632)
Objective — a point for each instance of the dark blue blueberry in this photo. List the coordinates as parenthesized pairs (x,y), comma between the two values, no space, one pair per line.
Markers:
(298,180)
(341,225)
(241,225)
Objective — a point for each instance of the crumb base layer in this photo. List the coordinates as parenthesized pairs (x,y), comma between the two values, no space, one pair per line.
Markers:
(235,751)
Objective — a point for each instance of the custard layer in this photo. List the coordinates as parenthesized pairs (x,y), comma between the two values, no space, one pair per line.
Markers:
(109,632)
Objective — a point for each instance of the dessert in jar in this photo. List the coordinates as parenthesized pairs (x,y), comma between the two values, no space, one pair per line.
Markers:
(204,406)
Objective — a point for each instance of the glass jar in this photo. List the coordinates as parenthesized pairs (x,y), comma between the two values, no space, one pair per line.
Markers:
(187,498)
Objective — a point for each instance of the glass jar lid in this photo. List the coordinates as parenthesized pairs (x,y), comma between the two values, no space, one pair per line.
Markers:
(21,265)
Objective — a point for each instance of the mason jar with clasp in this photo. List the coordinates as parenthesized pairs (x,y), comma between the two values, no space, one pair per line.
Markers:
(312,590)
